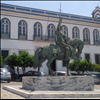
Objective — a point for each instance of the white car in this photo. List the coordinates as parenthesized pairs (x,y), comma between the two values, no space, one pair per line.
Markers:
(5,75)
(96,78)
(60,73)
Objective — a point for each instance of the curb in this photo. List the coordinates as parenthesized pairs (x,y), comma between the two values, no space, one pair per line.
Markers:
(51,95)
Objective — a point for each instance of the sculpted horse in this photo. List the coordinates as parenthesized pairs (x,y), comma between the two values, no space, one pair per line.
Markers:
(55,52)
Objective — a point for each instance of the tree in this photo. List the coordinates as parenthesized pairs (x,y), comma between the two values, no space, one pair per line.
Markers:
(31,60)
(83,66)
(1,60)
(97,67)
(25,60)
(11,60)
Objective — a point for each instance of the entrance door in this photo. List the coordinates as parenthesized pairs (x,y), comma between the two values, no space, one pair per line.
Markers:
(53,66)
(4,54)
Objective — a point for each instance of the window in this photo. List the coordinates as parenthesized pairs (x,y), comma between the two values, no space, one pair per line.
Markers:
(37,30)
(64,63)
(87,57)
(35,73)
(51,31)
(22,30)
(98,16)
(97,58)
(21,51)
(86,36)
(96,36)
(29,73)
(75,32)
(64,30)
(5,26)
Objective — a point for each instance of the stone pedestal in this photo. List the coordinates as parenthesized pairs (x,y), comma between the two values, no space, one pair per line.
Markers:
(58,83)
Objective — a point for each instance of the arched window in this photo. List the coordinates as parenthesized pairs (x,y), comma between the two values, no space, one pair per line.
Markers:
(98,16)
(96,37)
(75,32)
(5,28)
(86,36)
(37,31)
(64,30)
(22,30)
(51,32)
(37,28)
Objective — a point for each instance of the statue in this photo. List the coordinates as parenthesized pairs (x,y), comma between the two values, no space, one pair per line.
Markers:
(61,39)
(62,50)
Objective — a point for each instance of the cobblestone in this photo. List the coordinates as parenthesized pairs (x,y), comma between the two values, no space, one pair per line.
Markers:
(8,95)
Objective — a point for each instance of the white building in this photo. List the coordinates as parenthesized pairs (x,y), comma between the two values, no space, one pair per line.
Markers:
(24,28)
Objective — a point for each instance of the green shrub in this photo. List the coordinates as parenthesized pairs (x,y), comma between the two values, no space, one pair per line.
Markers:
(11,60)
(97,67)
(84,65)
(1,61)
(25,60)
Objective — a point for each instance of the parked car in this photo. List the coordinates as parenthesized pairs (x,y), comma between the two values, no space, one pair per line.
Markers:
(45,74)
(60,73)
(5,75)
(13,74)
(96,78)
(31,73)
(75,74)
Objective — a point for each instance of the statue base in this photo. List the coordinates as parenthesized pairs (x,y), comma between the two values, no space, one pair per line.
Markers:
(58,83)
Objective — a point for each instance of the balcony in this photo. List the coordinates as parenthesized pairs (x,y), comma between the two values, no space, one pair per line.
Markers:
(5,35)
(44,38)
(22,37)
(96,42)
(86,41)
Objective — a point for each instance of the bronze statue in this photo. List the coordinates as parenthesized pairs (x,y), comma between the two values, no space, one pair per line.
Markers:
(61,39)
(62,50)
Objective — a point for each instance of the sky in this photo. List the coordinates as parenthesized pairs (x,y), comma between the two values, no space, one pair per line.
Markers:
(83,8)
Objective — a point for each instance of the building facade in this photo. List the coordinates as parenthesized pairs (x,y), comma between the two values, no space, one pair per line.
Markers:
(24,28)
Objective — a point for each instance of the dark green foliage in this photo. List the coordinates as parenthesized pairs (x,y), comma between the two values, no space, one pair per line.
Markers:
(11,60)
(1,61)
(22,60)
(25,60)
(83,66)
(97,67)
(91,66)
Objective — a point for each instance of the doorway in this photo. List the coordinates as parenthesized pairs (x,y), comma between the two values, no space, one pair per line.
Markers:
(4,54)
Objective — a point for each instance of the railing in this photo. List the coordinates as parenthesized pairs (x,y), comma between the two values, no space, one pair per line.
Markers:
(86,41)
(96,42)
(44,38)
(5,35)
(22,37)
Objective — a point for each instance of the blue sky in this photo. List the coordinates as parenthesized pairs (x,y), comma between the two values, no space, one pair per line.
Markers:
(83,8)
